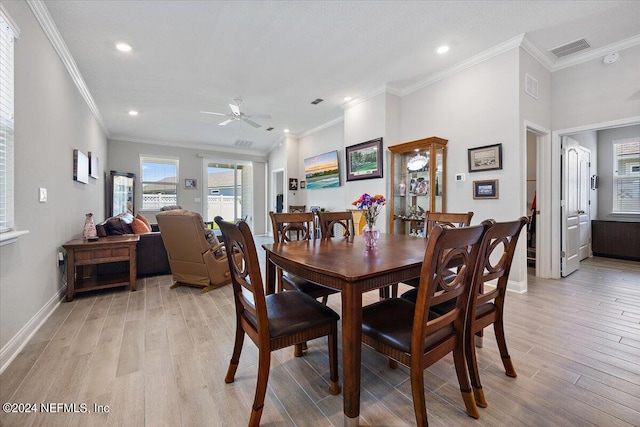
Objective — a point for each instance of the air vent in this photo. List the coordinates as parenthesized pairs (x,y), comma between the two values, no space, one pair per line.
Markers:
(531,86)
(243,143)
(570,48)
(270,129)
(317,101)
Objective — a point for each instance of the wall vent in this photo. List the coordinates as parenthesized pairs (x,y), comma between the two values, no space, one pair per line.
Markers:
(243,143)
(317,101)
(270,129)
(570,48)
(531,86)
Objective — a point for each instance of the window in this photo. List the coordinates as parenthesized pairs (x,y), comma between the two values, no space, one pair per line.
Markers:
(159,182)
(626,176)
(8,33)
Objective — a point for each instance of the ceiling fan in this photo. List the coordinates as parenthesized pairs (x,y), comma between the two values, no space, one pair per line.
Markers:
(237,115)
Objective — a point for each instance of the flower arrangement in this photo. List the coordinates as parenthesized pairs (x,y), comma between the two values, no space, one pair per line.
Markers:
(371,206)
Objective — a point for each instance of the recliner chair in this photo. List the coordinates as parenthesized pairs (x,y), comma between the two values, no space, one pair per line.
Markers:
(193,261)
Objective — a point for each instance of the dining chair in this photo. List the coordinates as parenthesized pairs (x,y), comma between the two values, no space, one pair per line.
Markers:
(444,219)
(409,334)
(273,321)
(297,208)
(284,226)
(329,221)
(487,306)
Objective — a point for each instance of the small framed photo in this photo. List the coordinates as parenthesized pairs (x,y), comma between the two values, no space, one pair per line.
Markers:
(485,158)
(293,184)
(303,184)
(190,183)
(487,189)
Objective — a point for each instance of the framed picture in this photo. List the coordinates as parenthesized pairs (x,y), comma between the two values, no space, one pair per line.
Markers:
(322,171)
(485,158)
(293,184)
(190,184)
(303,184)
(80,166)
(487,189)
(364,160)
(93,166)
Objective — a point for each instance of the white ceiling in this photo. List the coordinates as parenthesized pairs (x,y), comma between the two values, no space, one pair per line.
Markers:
(278,56)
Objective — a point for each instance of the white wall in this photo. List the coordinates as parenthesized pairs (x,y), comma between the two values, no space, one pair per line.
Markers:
(592,92)
(51,119)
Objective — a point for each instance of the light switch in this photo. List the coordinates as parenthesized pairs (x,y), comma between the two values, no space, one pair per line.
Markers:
(43,195)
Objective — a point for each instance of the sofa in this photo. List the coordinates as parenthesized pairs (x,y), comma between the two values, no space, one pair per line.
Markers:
(151,256)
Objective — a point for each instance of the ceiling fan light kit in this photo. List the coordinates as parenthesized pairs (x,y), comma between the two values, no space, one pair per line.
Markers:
(237,115)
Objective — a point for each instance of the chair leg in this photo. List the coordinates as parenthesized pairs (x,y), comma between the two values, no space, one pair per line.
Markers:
(474,374)
(463,380)
(235,357)
(419,403)
(264,364)
(175,285)
(498,328)
(334,384)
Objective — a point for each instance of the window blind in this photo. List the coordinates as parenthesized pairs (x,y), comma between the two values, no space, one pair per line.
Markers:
(7,37)
(626,177)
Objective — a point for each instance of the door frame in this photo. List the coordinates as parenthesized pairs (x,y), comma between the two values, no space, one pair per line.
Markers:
(553,199)
(274,191)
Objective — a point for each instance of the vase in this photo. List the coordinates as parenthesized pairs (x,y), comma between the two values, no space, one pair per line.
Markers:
(402,187)
(89,231)
(371,234)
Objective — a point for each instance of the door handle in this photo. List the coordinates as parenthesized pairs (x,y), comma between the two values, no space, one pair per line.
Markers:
(581,212)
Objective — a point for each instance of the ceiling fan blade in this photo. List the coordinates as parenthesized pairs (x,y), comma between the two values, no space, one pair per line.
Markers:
(252,123)
(258,116)
(235,109)
(226,122)
(211,112)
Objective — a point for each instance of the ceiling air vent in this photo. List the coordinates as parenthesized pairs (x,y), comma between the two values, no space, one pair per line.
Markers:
(317,101)
(243,143)
(570,48)
(270,129)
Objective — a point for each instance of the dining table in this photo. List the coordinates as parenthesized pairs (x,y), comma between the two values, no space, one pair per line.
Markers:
(347,265)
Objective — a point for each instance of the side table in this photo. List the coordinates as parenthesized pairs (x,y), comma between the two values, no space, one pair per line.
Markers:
(104,250)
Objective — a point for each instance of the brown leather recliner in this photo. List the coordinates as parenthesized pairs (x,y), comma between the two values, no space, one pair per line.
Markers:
(193,261)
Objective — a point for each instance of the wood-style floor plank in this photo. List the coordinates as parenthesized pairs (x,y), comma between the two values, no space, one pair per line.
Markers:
(158,357)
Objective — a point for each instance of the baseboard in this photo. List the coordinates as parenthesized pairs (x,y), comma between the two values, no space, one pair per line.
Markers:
(512,286)
(17,343)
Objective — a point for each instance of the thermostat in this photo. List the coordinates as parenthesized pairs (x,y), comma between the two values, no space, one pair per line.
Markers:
(459,177)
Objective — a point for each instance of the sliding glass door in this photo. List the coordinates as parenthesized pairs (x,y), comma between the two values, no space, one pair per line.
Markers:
(228,192)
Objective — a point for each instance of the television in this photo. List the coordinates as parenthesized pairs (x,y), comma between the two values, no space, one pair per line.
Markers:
(322,171)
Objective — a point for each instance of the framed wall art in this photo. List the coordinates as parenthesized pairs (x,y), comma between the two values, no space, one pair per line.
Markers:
(485,158)
(80,167)
(487,189)
(364,160)
(93,166)
(322,171)
(190,184)
(293,184)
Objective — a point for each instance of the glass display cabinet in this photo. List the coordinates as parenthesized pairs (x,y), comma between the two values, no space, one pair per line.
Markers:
(418,183)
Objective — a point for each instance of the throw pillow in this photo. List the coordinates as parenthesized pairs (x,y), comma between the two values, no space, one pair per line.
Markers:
(126,217)
(139,227)
(115,226)
(143,219)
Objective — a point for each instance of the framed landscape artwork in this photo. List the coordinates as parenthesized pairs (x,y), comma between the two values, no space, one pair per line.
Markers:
(487,189)
(322,171)
(485,158)
(80,167)
(364,160)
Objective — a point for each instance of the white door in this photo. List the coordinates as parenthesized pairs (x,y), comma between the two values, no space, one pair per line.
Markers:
(575,205)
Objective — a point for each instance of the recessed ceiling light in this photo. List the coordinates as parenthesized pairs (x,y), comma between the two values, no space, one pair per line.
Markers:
(123,47)
(443,49)
(133,113)
(347,98)
(286,131)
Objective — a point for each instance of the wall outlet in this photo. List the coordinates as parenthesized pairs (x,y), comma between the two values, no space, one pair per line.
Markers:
(60,259)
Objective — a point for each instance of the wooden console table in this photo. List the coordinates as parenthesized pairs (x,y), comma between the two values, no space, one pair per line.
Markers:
(104,250)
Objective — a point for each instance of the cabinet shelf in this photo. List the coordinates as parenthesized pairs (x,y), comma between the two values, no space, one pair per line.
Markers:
(415,191)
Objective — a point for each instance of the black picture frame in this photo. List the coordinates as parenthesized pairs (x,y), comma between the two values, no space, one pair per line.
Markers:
(486,158)
(485,189)
(190,184)
(293,184)
(303,184)
(364,160)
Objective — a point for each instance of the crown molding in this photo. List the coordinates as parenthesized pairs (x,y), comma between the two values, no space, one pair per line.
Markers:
(385,88)
(49,27)
(597,53)
(321,127)
(538,54)
(12,24)
(252,155)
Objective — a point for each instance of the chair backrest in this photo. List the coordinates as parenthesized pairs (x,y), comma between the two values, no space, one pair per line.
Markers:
(446,220)
(496,257)
(437,283)
(183,235)
(297,208)
(286,225)
(248,290)
(330,220)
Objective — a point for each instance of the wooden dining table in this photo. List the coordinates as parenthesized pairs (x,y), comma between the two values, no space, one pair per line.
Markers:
(347,265)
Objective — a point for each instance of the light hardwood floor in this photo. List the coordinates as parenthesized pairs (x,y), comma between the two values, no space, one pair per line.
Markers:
(158,357)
